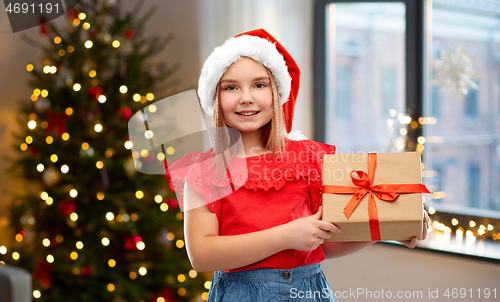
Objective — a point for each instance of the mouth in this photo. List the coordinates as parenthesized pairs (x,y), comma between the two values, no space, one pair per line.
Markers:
(247,113)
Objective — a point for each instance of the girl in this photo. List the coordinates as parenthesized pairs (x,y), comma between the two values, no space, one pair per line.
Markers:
(265,240)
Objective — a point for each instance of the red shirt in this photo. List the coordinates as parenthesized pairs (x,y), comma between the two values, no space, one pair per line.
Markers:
(268,192)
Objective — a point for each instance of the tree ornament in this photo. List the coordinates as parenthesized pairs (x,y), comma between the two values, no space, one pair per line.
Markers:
(57,122)
(124,112)
(455,72)
(87,271)
(43,26)
(166,293)
(50,176)
(129,33)
(131,242)
(66,207)
(42,272)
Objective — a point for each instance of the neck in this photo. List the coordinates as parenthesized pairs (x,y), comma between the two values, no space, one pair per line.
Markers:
(252,143)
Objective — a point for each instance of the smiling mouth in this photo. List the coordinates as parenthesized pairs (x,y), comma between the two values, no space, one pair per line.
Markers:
(248,113)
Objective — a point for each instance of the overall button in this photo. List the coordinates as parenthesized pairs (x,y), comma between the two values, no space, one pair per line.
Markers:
(286,275)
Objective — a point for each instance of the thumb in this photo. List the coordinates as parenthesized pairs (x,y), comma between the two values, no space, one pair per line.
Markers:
(318,213)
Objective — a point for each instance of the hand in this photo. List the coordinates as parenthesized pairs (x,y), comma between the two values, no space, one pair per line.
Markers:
(413,242)
(307,233)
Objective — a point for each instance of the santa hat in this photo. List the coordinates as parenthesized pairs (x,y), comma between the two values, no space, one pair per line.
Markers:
(262,47)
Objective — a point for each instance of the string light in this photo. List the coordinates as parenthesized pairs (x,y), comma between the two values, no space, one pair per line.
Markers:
(92,73)
(40,167)
(164,207)
(134,217)
(44,195)
(193,273)
(158,199)
(79,245)
(132,275)
(3,250)
(140,245)
(136,97)
(160,156)
(24,147)
(148,134)
(170,150)
(143,271)
(50,258)
(76,22)
(65,169)
(54,158)
(82,16)
(179,243)
(86,25)
(139,194)
(144,153)
(116,44)
(111,287)
(77,87)
(105,241)
(98,128)
(31,125)
(181,291)
(110,216)
(49,139)
(100,196)
(36,294)
(152,108)
(181,278)
(128,145)
(88,44)
(70,49)
(111,263)
(46,242)
(102,99)
(150,96)
(99,165)
(16,256)
(65,136)
(123,89)
(29,67)
(49,201)
(73,216)
(207,284)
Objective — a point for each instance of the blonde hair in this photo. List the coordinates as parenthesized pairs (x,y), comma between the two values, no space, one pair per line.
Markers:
(273,133)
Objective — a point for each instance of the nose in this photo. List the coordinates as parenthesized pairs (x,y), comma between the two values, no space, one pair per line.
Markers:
(246,96)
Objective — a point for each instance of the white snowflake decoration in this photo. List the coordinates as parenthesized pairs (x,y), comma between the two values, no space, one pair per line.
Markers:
(455,72)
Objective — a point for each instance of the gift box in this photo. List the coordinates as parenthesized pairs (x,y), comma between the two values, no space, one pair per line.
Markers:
(373,196)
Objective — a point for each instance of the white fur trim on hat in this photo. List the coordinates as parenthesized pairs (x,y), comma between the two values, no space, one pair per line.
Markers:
(259,49)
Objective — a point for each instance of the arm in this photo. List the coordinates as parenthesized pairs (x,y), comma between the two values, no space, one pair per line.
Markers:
(209,251)
(339,249)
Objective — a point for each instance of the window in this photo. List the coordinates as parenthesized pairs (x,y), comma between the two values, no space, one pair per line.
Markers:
(474,186)
(343,92)
(448,82)
(389,90)
(436,106)
(471,104)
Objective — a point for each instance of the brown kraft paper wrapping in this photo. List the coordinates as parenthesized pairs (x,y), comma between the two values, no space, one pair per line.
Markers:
(400,219)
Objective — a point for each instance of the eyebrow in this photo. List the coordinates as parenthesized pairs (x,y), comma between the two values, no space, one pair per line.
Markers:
(234,81)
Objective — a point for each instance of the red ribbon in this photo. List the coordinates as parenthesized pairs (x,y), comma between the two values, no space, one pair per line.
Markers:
(364,185)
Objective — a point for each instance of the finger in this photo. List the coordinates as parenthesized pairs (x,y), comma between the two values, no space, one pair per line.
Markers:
(318,214)
(329,227)
(413,242)
(324,235)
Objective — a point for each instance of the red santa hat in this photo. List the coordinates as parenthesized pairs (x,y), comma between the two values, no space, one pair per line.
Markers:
(262,47)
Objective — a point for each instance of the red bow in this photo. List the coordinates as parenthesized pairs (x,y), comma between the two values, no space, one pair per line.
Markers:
(364,185)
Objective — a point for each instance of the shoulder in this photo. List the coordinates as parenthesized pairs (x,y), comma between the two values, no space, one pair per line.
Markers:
(309,146)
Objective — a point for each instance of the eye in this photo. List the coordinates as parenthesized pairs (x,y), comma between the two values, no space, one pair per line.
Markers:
(260,85)
(230,87)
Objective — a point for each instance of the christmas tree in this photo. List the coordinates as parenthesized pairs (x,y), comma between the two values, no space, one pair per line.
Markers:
(88,226)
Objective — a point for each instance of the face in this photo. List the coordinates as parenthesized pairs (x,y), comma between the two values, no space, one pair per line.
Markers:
(246,96)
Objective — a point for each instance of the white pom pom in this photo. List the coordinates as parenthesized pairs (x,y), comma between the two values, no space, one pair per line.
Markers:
(296,135)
